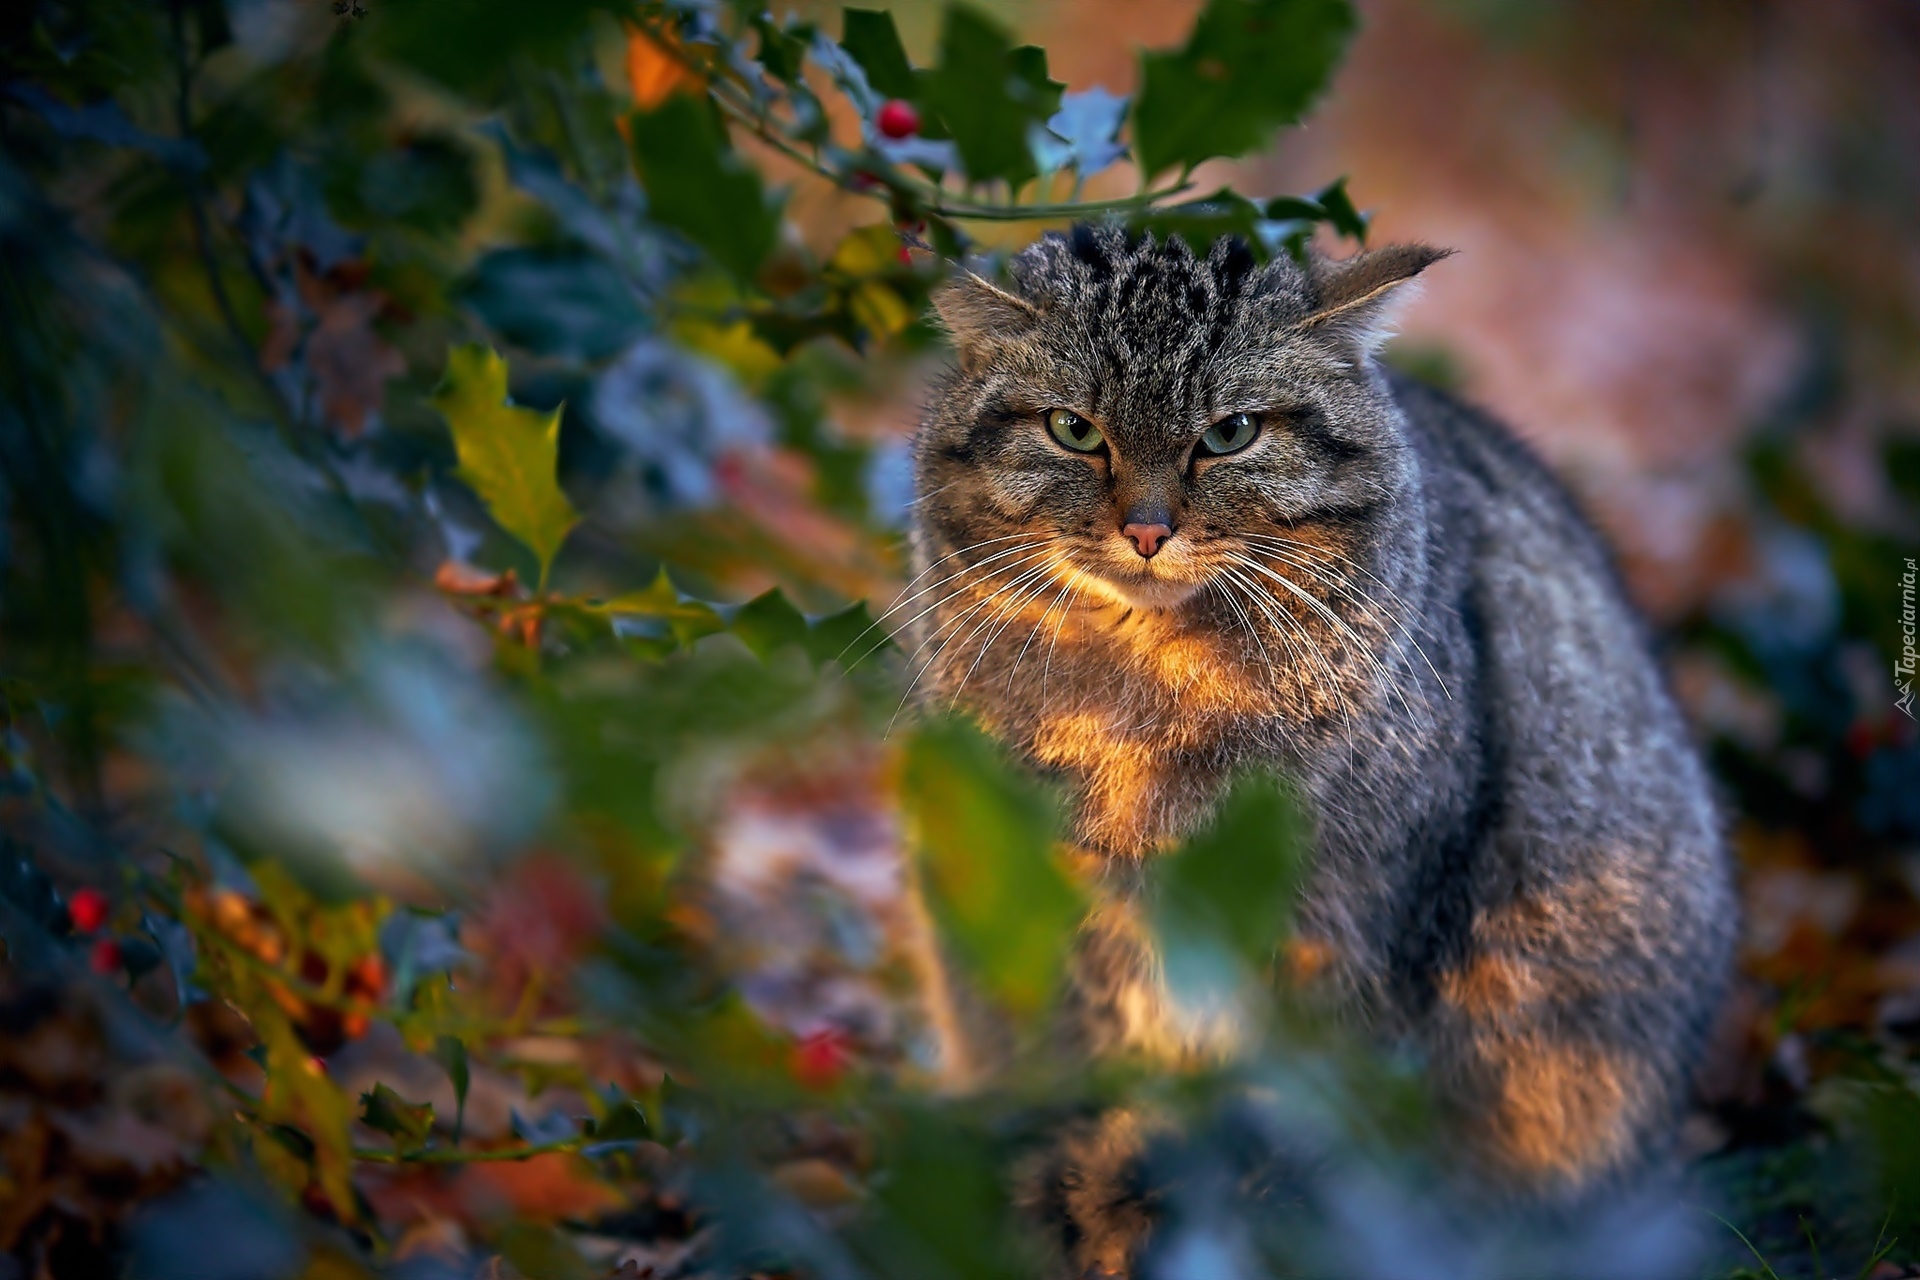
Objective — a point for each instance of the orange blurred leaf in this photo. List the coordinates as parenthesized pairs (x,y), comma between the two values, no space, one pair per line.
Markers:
(657,70)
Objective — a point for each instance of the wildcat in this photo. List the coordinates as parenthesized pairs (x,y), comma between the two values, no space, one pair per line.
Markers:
(1182,525)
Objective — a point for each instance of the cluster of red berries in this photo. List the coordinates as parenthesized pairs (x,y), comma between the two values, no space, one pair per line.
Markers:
(820,1060)
(251,927)
(88,909)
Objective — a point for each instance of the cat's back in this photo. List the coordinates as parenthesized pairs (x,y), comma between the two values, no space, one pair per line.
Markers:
(1490,486)
(1581,729)
(1536,580)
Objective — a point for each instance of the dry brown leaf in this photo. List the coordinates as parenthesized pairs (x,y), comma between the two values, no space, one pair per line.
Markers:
(545,1188)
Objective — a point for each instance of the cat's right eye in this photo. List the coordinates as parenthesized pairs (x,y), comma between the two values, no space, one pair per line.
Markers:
(1074,431)
(1230,435)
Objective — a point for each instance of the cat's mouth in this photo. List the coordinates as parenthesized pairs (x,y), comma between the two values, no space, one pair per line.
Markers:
(1165,581)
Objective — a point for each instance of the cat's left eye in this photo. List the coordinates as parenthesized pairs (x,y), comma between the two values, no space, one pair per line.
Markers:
(1074,431)
(1231,434)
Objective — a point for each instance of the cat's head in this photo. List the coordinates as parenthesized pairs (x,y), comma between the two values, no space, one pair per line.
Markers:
(1145,411)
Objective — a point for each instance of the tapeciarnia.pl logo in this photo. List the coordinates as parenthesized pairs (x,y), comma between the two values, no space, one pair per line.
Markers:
(1903,666)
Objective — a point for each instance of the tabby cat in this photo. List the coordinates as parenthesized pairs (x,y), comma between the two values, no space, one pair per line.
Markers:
(1182,525)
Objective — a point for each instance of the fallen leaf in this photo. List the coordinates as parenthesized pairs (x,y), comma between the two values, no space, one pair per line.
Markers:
(546,1188)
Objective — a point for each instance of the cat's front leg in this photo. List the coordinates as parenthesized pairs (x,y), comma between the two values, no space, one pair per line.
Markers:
(1090,1191)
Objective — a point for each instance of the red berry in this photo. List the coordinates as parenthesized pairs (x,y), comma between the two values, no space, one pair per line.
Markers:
(820,1059)
(104,958)
(898,119)
(88,909)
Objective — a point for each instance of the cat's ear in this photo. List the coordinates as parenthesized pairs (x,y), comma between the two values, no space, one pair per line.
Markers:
(980,315)
(1355,299)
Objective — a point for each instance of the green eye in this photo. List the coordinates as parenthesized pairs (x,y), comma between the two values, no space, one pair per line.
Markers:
(1231,434)
(1074,431)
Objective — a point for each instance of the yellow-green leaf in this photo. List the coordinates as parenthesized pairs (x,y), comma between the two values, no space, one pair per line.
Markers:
(508,455)
(868,250)
(878,309)
(688,619)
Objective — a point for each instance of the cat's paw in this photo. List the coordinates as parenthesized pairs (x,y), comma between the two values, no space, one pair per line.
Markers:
(1091,1193)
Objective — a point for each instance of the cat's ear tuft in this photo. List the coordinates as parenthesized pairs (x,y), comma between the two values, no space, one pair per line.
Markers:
(981,316)
(1355,299)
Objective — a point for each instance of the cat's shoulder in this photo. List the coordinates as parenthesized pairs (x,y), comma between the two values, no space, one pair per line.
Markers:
(1471,456)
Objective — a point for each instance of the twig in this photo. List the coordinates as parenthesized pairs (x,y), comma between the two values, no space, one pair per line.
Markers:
(469,1155)
(310,994)
(929,196)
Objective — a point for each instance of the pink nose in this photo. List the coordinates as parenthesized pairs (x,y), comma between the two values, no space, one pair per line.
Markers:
(1147,538)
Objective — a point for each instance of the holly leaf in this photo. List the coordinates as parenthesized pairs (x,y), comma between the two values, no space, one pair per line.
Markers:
(989,96)
(837,636)
(300,1098)
(769,623)
(944,1205)
(624,1122)
(661,607)
(699,187)
(1201,222)
(509,456)
(870,37)
(1029,66)
(1341,215)
(408,1123)
(1331,205)
(985,837)
(1249,67)
(783,49)
(1235,881)
(468,45)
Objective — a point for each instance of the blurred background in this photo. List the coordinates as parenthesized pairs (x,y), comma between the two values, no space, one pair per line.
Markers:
(410,870)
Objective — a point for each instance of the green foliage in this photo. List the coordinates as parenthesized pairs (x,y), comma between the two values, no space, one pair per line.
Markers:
(988,96)
(624,1122)
(247,266)
(1235,882)
(1200,222)
(1249,67)
(1331,205)
(509,456)
(869,35)
(698,186)
(985,836)
(408,1123)
(473,46)
(451,1053)
(946,1208)
(769,623)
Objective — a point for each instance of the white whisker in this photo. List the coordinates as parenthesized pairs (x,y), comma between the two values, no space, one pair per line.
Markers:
(1006,616)
(1339,624)
(907,596)
(954,623)
(1283,546)
(1264,601)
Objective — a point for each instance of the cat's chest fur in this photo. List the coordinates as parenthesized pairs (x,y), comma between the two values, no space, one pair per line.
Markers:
(1142,713)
